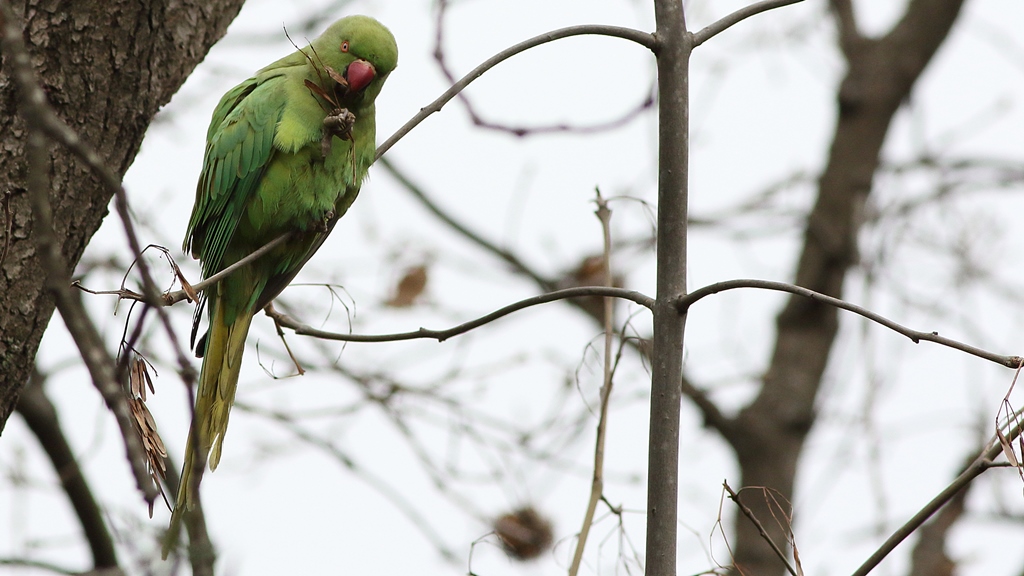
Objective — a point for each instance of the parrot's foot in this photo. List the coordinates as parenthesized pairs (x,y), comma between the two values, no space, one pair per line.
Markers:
(338,123)
(323,225)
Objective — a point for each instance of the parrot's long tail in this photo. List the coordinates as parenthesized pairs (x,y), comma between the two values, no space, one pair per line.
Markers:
(218,379)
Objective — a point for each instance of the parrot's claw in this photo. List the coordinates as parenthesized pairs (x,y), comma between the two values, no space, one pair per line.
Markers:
(338,123)
(323,225)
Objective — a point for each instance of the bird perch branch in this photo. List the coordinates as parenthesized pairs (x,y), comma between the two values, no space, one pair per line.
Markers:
(442,335)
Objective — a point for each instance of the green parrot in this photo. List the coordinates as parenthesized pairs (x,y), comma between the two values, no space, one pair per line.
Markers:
(286,152)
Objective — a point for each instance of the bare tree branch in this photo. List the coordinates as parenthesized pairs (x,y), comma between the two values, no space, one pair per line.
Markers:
(684,303)
(597,479)
(846,21)
(643,38)
(712,415)
(760,527)
(171,298)
(983,462)
(673,53)
(738,16)
(442,335)
(520,131)
(772,429)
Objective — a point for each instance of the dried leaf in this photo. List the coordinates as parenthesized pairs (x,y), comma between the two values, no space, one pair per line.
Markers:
(590,272)
(1007,448)
(796,556)
(190,292)
(135,380)
(524,533)
(409,287)
(317,90)
(145,425)
(336,77)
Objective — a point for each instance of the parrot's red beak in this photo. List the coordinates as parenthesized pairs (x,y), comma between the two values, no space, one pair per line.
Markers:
(359,75)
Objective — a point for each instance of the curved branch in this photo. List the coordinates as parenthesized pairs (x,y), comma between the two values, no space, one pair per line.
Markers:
(520,131)
(645,39)
(442,335)
(742,14)
(684,302)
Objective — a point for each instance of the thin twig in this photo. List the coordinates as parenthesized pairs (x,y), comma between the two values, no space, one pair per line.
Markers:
(152,292)
(760,528)
(683,303)
(171,298)
(505,255)
(520,131)
(712,415)
(442,335)
(41,121)
(643,38)
(32,563)
(597,480)
(379,483)
(280,333)
(742,14)
(983,462)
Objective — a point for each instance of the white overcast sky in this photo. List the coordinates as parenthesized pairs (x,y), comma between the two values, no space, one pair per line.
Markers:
(762,110)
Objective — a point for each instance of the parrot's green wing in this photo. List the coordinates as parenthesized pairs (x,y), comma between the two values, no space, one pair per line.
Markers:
(240,144)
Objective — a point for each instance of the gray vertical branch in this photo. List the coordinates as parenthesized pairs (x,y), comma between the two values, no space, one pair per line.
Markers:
(673,52)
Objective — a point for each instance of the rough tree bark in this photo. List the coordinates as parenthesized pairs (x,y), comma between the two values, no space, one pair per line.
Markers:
(107,67)
(769,434)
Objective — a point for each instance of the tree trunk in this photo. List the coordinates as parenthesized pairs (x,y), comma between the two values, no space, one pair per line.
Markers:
(106,67)
(769,433)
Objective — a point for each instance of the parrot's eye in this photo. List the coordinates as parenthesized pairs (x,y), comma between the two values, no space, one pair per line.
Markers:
(344,46)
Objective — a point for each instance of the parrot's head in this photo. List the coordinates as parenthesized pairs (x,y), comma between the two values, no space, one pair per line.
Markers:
(362,51)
